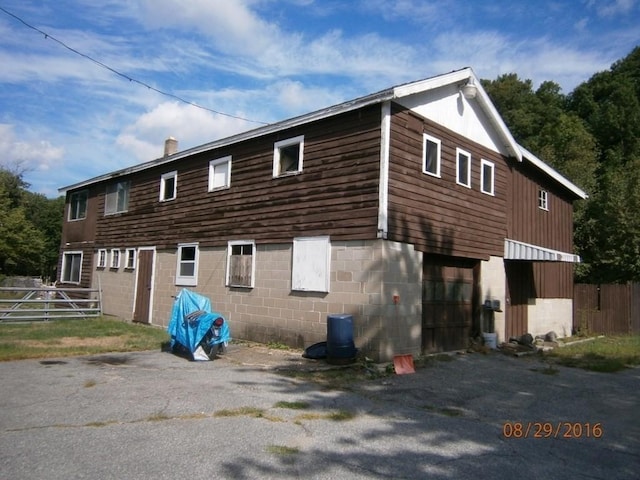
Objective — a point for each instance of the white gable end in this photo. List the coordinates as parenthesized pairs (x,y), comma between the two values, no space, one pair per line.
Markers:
(448,107)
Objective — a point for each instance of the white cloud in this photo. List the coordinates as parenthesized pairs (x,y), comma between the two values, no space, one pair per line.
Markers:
(191,126)
(615,8)
(29,153)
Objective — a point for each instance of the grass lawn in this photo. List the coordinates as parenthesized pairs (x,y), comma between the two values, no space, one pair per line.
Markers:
(605,354)
(63,338)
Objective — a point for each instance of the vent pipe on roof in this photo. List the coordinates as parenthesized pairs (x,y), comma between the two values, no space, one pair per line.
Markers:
(170,146)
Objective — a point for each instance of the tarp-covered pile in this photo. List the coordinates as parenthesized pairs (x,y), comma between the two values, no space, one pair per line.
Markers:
(195,330)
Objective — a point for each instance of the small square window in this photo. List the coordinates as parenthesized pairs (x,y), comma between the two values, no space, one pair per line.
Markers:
(431,155)
(130,259)
(463,166)
(543,200)
(487,177)
(220,173)
(187,268)
(102,258)
(115,258)
(241,263)
(78,205)
(288,156)
(168,186)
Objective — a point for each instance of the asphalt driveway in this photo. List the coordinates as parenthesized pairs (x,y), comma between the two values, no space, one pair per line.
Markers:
(153,415)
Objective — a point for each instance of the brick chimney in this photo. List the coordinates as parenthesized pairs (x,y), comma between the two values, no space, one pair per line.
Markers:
(170,146)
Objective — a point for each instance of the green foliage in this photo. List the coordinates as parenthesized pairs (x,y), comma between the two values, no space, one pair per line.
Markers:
(591,136)
(30,228)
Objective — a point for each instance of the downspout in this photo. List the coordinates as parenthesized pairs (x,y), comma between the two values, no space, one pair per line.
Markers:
(383,191)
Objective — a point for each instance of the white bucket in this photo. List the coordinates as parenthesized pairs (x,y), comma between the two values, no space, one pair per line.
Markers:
(491,340)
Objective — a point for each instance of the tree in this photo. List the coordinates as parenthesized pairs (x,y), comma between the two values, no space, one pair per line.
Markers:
(21,244)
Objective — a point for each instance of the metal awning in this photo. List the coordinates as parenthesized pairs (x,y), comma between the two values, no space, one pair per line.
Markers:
(515,250)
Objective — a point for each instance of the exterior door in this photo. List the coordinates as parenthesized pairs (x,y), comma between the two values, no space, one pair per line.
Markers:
(143,286)
(520,288)
(449,302)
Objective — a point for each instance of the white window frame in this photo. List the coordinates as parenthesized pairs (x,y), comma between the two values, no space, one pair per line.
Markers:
(277,154)
(166,196)
(65,265)
(130,259)
(543,199)
(459,153)
(189,280)
(212,174)
(491,166)
(115,258)
(102,258)
(235,243)
(311,266)
(117,201)
(76,210)
(425,139)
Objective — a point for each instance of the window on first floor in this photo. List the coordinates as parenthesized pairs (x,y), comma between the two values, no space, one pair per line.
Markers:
(487,177)
(117,198)
(115,258)
(220,173)
(130,259)
(241,263)
(431,155)
(543,200)
(102,258)
(311,264)
(463,168)
(71,267)
(187,268)
(168,186)
(78,205)
(287,156)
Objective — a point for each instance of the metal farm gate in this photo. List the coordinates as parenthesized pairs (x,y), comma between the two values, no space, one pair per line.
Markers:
(607,309)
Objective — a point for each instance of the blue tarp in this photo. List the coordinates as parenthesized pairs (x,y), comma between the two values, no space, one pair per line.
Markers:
(192,320)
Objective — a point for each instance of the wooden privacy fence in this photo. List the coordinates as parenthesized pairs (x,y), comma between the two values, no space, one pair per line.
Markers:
(607,309)
(48,303)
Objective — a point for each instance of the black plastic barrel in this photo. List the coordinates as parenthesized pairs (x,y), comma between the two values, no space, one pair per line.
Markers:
(340,346)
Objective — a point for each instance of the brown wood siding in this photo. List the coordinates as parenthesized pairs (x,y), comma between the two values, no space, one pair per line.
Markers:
(530,224)
(336,194)
(552,228)
(79,235)
(436,214)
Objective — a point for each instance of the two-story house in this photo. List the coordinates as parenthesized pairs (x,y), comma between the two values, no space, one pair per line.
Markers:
(411,209)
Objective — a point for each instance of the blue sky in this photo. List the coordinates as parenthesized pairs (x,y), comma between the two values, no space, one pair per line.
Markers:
(64,118)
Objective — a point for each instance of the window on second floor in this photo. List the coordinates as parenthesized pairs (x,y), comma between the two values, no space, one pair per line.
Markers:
(287,156)
(543,200)
(168,186)
(220,173)
(487,180)
(117,198)
(431,156)
(463,166)
(241,263)
(78,205)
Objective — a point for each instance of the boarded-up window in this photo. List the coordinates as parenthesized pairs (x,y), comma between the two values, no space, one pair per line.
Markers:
(311,264)
(241,264)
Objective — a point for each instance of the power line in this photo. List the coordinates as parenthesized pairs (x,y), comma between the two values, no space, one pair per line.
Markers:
(125,76)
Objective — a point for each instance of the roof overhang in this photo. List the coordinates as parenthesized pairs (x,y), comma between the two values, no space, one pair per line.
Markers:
(515,250)
(540,165)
